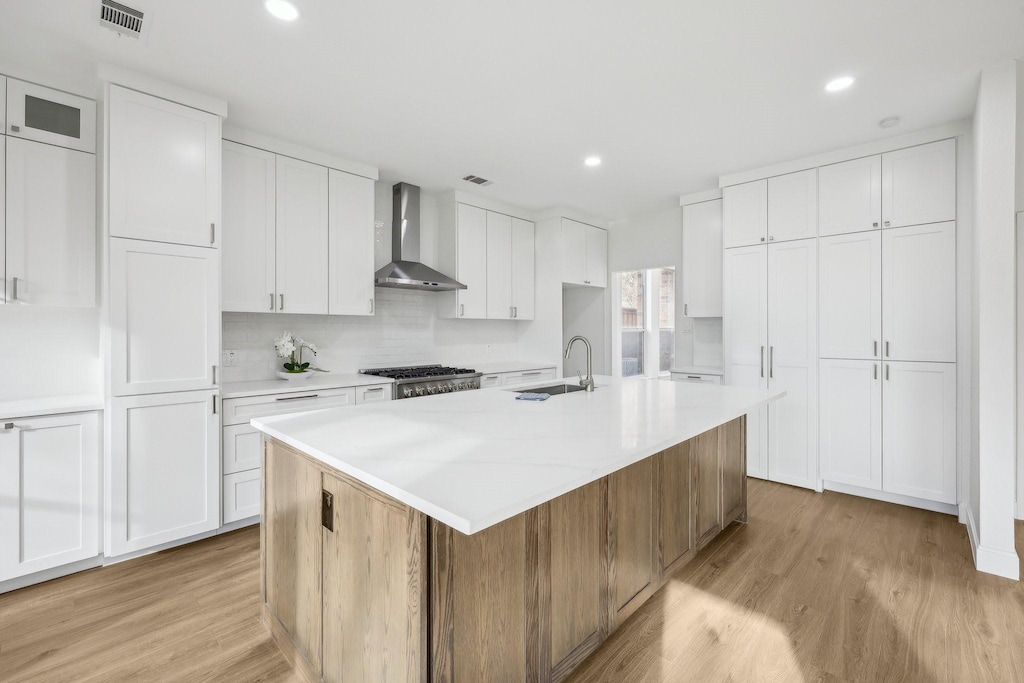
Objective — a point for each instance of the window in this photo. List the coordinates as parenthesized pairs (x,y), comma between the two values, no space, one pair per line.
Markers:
(647,321)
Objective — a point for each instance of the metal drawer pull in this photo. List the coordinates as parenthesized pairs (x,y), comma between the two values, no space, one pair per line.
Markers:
(531,374)
(462,310)
(886,372)
(271,302)
(14,294)
(887,349)
(374,389)
(281,307)
(296,398)
(214,405)
(214,368)
(876,370)
(371,305)
(762,361)
(515,311)
(875,352)
(697,377)
(10,425)
(213,234)
(771,361)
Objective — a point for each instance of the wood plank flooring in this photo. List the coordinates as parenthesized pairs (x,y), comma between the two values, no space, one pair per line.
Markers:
(818,587)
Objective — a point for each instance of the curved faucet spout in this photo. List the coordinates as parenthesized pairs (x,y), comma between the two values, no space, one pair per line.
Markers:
(588,382)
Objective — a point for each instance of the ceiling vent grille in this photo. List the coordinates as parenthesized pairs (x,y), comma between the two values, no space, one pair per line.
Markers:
(477,180)
(121,18)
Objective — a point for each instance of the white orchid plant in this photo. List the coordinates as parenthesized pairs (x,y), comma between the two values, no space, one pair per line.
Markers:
(289,346)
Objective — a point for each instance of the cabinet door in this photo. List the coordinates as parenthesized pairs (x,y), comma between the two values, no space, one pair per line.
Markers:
(50,116)
(745,340)
(302,241)
(702,260)
(51,225)
(3,216)
(248,239)
(574,252)
(471,261)
(375,394)
(489,381)
(523,269)
(745,214)
(793,362)
(164,170)
(240,495)
(499,266)
(164,317)
(707,486)
(919,185)
(850,423)
(240,449)
(164,470)
(793,206)
(49,492)
(919,430)
(350,267)
(3,104)
(919,293)
(676,542)
(597,257)
(850,287)
(850,196)
(631,538)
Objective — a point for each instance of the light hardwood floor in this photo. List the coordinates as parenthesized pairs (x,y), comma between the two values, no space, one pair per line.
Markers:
(818,587)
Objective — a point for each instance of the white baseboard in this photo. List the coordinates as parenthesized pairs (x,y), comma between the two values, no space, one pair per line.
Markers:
(909,501)
(50,574)
(991,560)
(249,521)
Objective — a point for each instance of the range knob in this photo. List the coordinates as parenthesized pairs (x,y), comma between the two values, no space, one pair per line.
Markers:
(431,390)
(460,386)
(451,386)
(419,391)
(407,392)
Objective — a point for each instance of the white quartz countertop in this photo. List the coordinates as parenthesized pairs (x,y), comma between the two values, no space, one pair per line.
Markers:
(320,380)
(509,366)
(476,458)
(50,405)
(698,370)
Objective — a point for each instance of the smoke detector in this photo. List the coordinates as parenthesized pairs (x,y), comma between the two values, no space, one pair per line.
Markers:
(477,180)
(124,20)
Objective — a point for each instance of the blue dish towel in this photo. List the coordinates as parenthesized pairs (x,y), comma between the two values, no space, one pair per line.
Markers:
(529,396)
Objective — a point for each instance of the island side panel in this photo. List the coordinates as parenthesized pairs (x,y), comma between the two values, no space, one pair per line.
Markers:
(292,552)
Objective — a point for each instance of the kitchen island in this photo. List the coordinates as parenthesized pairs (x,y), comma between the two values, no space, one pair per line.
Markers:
(475,537)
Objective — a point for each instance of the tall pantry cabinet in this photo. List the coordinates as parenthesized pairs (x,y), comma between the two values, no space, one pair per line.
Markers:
(163,212)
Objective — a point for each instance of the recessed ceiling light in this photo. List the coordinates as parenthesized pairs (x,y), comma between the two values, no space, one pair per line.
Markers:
(592,161)
(889,122)
(282,9)
(841,83)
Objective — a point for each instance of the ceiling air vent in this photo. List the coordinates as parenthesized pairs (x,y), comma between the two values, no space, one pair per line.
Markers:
(121,18)
(477,180)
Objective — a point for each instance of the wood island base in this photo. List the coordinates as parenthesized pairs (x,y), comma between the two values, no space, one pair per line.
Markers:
(390,594)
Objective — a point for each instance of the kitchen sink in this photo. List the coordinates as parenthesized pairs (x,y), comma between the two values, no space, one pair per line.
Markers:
(553,390)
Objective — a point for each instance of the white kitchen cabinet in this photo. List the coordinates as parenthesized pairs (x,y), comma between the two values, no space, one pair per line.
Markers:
(490,381)
(49,492)
(164,170)
(462,254)
(702,260)
(350,241)
(248,239)
(919,185)
(695,378)
(3,217)
(164,317)
(240,448)
(919,430)
(51,225)
(499,266)
(919,293)
(240,496)
(584,254)
(302,237)
(850,422)
(512,379)
(3,105)
(239,411)
(850,295)
(850,196)
(373,394)
(793,206)
(745,340)
(163,472)
(49,116)
(524,282)
(793,362)
(745,214)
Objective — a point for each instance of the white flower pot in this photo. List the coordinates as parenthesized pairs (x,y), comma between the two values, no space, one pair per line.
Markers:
(295,375)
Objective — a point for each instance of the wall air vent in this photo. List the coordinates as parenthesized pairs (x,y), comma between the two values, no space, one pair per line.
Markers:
(477,180)
(121,19)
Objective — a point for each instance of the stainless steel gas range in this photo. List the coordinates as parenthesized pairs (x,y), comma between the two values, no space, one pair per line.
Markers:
(426,380)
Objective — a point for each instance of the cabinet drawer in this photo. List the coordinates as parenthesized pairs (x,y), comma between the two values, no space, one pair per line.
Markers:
(241,495)
(240,450)
(510,379)
(241,410)
(488,381)
(696,378)
(374,394)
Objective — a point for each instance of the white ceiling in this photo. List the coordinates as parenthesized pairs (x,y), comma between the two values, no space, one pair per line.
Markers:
(671,93)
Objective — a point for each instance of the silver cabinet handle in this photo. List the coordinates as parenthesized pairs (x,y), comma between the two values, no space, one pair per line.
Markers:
(886,348)
(772,238)
(686,309)
(214,405)
(281,307)
(876,370)
(296,398)
(762,361)
(370,391)
(875,346)
(462,310)
(696,377)
(887,372)
(771,361)
(271,301)
(762,239)
(213,233)
(531,374)
(515,311)
(510,314)
(491,377)
(14,293)
(214,373)
(10,425)
(15,129)
(875,224)
(371,305)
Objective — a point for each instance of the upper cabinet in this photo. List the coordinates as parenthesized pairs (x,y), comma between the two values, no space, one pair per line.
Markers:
(165,174)
(702,260)
(745,214)
(584,254)
(510,267)
(523,269)
(793,206)
(50,116)
(919,185)
(298,237)
(850,196)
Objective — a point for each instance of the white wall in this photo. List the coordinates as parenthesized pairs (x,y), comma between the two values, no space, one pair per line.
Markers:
(585,311)
(991,505)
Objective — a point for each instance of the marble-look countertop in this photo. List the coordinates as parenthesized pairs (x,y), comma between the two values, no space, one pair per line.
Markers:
(477,458)
(319,380)
(50,405)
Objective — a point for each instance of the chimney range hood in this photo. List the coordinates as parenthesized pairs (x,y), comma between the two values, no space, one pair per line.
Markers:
(405,270)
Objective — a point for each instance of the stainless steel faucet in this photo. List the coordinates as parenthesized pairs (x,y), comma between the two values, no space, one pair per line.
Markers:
(587,383)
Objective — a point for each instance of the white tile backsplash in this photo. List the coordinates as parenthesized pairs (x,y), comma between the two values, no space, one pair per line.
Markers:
(404,331)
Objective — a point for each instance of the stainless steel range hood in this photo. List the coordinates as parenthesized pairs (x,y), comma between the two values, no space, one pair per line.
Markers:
(405,270)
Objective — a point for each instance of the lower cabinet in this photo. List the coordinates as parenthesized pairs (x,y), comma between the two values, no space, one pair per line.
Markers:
(511,379)
(240,496)
(633,570)
(49,492)
(163,470)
